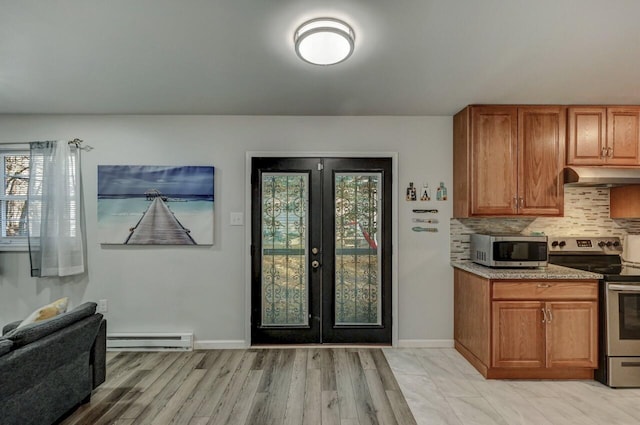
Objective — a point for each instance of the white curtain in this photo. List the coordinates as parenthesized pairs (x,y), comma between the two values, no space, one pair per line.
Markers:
(57,237)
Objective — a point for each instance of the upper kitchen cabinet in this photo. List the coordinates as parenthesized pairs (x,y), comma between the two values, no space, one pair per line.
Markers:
(508,160)
(624,202)
(604,135)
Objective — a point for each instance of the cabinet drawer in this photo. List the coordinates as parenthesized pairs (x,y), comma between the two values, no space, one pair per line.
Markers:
(545,290)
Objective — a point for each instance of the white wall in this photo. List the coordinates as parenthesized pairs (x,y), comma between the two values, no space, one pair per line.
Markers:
(202,289)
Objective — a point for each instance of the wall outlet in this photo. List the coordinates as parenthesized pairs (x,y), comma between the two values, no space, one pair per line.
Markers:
(102,307)
(236,219)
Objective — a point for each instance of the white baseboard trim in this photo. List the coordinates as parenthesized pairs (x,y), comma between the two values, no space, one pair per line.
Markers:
(402,343)
(220,344)
(425,343)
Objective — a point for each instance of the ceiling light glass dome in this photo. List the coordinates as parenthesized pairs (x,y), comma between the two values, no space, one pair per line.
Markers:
(324,41)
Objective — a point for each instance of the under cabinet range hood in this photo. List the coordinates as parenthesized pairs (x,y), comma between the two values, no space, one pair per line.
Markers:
(601,176)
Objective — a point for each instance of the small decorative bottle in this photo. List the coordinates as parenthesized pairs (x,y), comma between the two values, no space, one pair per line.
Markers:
(443,191)
(411,193)
(426,195)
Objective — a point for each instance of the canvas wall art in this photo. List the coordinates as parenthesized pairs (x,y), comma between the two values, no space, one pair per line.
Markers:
(155,205)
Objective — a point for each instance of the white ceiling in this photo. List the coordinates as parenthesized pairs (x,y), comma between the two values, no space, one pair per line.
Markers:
(412,57)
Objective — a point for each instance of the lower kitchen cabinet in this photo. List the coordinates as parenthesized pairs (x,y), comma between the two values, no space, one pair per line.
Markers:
(518,334)
(537,334)
(572,334)
(525,329)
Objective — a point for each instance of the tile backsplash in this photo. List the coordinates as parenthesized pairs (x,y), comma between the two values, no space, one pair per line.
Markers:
(586,212)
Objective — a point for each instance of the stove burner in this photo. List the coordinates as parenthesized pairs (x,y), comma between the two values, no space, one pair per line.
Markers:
(613,269)
(609,270)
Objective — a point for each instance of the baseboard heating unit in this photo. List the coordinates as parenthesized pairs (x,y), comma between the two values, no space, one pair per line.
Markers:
(150,342)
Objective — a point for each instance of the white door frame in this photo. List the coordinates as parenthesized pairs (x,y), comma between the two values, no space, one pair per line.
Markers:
(394,228)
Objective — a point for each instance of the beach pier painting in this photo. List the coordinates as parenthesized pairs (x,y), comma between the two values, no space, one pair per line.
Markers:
(159,225)
(155,205)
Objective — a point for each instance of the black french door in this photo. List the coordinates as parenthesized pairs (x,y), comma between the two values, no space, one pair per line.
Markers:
(321,250)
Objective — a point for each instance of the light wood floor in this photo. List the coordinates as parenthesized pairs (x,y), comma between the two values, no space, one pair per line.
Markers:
(304,386)
(441,387)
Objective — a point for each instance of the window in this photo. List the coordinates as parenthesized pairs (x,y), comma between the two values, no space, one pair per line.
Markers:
(13,199)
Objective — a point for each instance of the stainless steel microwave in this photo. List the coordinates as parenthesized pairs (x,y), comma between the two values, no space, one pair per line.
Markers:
(509,250)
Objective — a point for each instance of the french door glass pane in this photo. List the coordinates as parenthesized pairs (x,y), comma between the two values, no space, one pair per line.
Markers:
(285,217)
(357,256)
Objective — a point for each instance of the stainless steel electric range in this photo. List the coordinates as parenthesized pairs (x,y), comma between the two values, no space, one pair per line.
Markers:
(619,303)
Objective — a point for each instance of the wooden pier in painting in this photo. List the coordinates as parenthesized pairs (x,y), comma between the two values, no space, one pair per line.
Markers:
(159,226)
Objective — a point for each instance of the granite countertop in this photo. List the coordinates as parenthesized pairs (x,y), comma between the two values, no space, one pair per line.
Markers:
(550,272)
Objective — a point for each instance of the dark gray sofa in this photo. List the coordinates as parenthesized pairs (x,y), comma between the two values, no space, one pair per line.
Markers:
(48,368)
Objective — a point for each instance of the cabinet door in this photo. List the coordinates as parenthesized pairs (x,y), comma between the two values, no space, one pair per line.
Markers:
(587,135)
(624,202)
(623,135)
(518,334)
(541,146)
(572,334)
(494,131)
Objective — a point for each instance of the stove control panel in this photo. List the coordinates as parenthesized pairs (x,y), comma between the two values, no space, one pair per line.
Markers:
(570,244)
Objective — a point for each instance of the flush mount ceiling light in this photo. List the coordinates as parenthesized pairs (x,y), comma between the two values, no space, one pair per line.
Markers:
(324,41)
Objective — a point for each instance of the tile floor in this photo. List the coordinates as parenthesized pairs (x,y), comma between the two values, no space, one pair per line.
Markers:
(441,387)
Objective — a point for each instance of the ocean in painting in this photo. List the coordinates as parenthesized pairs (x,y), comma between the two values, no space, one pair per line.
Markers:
(125,193)
(118,214)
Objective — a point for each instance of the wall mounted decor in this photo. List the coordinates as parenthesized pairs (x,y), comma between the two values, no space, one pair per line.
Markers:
(425,220)
(411,192)
(425,229)
(155,205)
(441,194)
(425,193)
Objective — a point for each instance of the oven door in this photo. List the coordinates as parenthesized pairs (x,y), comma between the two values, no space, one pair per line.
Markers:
(623,319)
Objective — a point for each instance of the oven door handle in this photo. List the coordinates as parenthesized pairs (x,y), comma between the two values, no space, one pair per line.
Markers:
(628,288)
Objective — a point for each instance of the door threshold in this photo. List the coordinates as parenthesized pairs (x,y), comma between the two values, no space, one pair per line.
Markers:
(350,346)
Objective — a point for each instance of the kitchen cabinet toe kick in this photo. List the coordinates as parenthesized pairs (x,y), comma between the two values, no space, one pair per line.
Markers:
(570,373)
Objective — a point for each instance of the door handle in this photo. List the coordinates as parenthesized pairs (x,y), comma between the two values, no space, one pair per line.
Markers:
(544,315)
(623,288)
(315,264)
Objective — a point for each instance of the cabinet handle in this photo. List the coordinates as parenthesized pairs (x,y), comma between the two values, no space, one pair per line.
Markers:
(603,152)
(550,315)
(521,203)
(543,285)
(544,315)
(610,152)
(515,202)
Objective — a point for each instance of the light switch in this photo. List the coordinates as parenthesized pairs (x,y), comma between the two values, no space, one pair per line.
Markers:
(102,306)
(236,219)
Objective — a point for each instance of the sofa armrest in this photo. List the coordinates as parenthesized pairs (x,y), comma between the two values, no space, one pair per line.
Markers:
(37,330)
(99,355)
(11,326)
